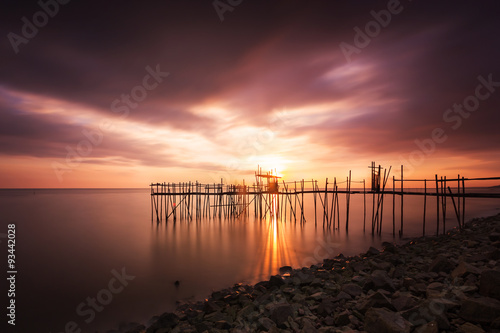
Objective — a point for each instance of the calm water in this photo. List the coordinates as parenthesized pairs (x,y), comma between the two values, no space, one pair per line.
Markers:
(69,242)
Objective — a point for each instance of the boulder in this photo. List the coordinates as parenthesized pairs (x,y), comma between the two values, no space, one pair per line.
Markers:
(276,281)
(379,279)
(376,300)
(280,313)
(383,320)
(441,264)
(430,327)
(372,251)
(482,310)
(489,284)
(463,269)
(352,289)
(494,236)
(469,328)
(286,270)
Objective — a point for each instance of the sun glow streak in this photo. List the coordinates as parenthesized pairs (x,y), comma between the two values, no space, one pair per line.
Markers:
(276,250)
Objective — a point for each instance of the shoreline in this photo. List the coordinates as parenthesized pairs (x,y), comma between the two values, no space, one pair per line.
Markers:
(428,284)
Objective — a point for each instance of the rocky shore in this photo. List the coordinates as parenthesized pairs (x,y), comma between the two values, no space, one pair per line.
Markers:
(449,283)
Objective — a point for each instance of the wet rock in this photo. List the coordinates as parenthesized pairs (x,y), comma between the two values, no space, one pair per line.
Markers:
(372,251)
(441,264)
(276,281)
(383,320)
(489,284)
(280,313)
(166,320)
(483,310)
(286,270)
(389,247)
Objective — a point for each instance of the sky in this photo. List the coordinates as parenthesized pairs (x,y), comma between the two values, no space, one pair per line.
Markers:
(124,94)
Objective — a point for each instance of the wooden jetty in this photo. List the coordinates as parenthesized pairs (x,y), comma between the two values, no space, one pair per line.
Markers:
(272,196)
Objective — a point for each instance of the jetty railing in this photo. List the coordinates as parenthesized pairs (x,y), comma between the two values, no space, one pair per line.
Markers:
(272,196)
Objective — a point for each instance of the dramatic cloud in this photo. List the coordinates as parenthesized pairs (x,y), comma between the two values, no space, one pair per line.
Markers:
(122,94)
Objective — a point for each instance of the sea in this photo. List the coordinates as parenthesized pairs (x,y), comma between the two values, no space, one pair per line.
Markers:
(88,260)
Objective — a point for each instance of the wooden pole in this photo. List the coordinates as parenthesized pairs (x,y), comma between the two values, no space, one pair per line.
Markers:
(437,205)
(393,206)
(463,202)
(401,231)
(364,205)
(425,206)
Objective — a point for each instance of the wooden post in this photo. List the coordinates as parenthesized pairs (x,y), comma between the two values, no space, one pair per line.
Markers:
(393,206)
(401,231)
(348,199)
(458,202)
(326,203)
(364,205)
(443,192)
(463,201)
(425,205)
(314,195)
(437,205)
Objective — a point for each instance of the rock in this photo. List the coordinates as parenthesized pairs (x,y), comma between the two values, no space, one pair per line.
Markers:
(137,328)
(380,280)
(489,284)
(166,320)
(265,323)
(276,281)
(222,325)
(377,300)
(372,251)
(430,327)
(342,296)
(383,320)
(404,302)
(352,289)
(470,328)
(327,306)
(494,236)
(307,326)
(286,270)
(462,269)
(280,313)
(431,310)
(434,289)
(389,247)
(483,310)
(342,319)
(441,264)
